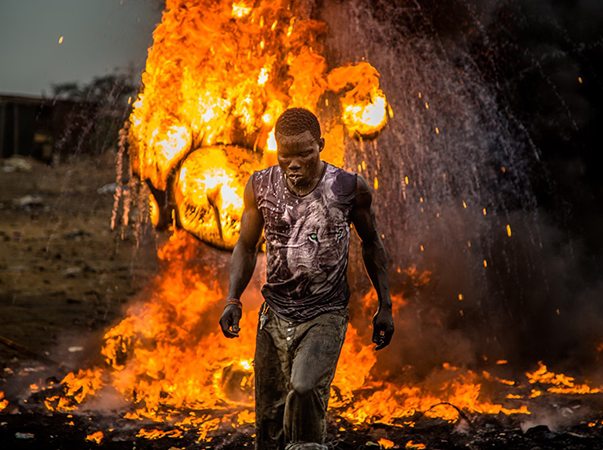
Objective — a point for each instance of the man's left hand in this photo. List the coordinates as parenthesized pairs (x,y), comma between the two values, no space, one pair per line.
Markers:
(383,328)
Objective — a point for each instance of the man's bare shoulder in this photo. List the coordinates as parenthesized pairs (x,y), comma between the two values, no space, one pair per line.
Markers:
(264,173)
(249,200)
(364,195)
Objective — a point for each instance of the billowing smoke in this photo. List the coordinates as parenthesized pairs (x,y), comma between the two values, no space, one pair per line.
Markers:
(485,176)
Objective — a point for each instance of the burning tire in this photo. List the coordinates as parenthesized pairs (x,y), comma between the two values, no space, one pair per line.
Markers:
(207,190)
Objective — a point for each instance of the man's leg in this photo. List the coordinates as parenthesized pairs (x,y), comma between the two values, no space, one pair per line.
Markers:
(315,358)
(270,388)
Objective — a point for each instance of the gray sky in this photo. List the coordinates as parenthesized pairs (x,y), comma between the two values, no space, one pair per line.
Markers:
(100,36)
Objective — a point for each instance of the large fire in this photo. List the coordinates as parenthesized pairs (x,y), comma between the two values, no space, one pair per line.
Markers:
(173,365)
(217,77)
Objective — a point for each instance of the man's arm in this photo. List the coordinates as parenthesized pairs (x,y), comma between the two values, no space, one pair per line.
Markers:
(242,263)
(375,261)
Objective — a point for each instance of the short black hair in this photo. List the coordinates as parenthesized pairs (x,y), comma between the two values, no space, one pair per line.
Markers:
(296,121)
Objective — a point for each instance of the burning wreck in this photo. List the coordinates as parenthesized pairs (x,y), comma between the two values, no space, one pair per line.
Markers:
(217,77)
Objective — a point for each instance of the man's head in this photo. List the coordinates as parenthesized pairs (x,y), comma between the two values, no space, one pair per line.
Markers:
(299,143)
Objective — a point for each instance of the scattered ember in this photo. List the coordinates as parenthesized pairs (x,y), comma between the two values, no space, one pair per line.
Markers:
(95,437)
(158,434)
(535,393)
(3,401)
(385,443)
(417,446)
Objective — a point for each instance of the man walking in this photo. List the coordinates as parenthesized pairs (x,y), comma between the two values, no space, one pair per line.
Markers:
(305,207)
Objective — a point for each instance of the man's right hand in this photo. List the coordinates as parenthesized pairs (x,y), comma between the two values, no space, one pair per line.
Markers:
(229,322)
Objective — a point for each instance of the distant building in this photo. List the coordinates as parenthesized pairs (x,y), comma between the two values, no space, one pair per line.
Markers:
(43,128)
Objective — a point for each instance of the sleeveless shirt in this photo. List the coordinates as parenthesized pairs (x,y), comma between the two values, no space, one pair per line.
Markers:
(307,241)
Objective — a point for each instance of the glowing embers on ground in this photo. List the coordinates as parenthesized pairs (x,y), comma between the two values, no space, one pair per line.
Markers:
(208,191)
(97,437)
(559,383)
(3,401)
(78,386)
(441,395)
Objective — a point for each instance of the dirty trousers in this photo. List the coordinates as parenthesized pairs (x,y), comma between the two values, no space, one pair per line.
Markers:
(294,366)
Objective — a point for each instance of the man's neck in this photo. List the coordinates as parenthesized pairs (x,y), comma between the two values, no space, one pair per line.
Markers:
(309,187)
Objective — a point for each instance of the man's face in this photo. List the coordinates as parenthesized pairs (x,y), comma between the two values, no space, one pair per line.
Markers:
(299,157)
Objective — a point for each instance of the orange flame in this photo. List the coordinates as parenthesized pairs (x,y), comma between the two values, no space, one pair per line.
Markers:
(220,74)
(3,401)
(416,446)
(385,443)
(364,106)
(209,194)
(559,383)
(158,434)
(95,437)
(154,212)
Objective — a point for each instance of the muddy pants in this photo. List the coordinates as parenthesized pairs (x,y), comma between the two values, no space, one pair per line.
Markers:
(294,367)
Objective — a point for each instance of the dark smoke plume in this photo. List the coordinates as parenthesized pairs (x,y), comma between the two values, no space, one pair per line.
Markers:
(497,108)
